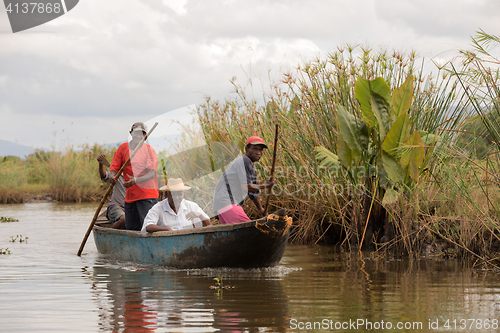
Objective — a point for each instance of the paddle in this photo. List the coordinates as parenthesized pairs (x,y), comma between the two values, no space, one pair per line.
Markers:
(272,168)
(111,189)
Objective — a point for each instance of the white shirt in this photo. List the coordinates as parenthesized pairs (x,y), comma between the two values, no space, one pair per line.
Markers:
(162,215)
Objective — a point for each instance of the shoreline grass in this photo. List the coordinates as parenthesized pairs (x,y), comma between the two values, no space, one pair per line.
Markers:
(68,176)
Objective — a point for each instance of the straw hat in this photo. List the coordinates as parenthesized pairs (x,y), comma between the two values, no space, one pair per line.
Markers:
(174,184)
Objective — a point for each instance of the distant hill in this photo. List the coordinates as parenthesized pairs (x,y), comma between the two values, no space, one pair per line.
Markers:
(9,148)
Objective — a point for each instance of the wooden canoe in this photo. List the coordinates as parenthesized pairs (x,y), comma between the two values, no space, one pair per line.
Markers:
(253,244)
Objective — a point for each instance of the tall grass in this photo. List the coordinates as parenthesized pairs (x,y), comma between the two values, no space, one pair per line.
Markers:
(67,176)
(324,202)
(449,215)
(479,149)
(445,214)
(15,184)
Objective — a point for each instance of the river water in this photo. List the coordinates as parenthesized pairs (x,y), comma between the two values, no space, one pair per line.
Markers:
(46,287)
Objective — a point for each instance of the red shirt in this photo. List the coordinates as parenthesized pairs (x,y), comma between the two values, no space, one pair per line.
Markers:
(145,158)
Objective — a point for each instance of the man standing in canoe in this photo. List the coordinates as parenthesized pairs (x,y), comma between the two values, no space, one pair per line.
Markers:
(174,213)
(141,181)
(238,182)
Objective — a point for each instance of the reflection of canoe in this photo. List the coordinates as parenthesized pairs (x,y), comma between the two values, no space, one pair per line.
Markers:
(169,300)
(259,243)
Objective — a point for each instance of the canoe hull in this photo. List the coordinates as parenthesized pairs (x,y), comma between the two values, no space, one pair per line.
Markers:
(253,244)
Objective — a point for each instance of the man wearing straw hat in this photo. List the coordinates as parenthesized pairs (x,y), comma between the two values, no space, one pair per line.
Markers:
(175,212)
(238,182)
(141,181)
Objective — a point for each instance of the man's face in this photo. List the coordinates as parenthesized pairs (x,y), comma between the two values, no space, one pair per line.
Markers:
(137,135)
(175,198)
(254,152)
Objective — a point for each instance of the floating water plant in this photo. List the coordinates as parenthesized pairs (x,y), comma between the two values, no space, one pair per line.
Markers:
(4,219)
(18,238)
(4,251)
(218,284)
(219,287)
(218,281)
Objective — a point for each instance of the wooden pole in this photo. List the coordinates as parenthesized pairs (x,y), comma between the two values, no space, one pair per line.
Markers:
(272,168)
(110,189)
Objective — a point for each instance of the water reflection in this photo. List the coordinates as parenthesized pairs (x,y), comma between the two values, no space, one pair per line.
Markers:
(312,284)
(341,288)
(144,299)
(46,287)
(253,304)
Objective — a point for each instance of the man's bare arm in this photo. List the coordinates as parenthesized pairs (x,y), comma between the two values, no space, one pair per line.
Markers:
(258,205)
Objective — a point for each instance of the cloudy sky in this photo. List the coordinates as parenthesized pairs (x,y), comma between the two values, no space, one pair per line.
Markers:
(88,75)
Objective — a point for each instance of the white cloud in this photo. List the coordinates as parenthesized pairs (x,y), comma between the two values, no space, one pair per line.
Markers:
(3,80)
(113,62)
(46,130)
(179,6)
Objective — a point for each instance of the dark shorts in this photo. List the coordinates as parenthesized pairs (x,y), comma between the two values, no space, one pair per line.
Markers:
(136,211)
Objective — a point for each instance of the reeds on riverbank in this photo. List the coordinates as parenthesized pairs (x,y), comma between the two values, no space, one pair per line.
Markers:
(305,105)
(447,203)
(68,176)
(15,182)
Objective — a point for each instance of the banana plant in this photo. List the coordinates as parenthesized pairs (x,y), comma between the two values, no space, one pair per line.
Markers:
(379,137)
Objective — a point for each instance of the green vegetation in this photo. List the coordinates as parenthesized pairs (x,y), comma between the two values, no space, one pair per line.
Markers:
(218,281)
(4,219)
(69,176)
(326,200)
(375,153)
(18,238)
(219,286)
(378,140)
(4,251)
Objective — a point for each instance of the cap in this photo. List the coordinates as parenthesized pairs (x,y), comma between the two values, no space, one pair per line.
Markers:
(255,140)
(139,127)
